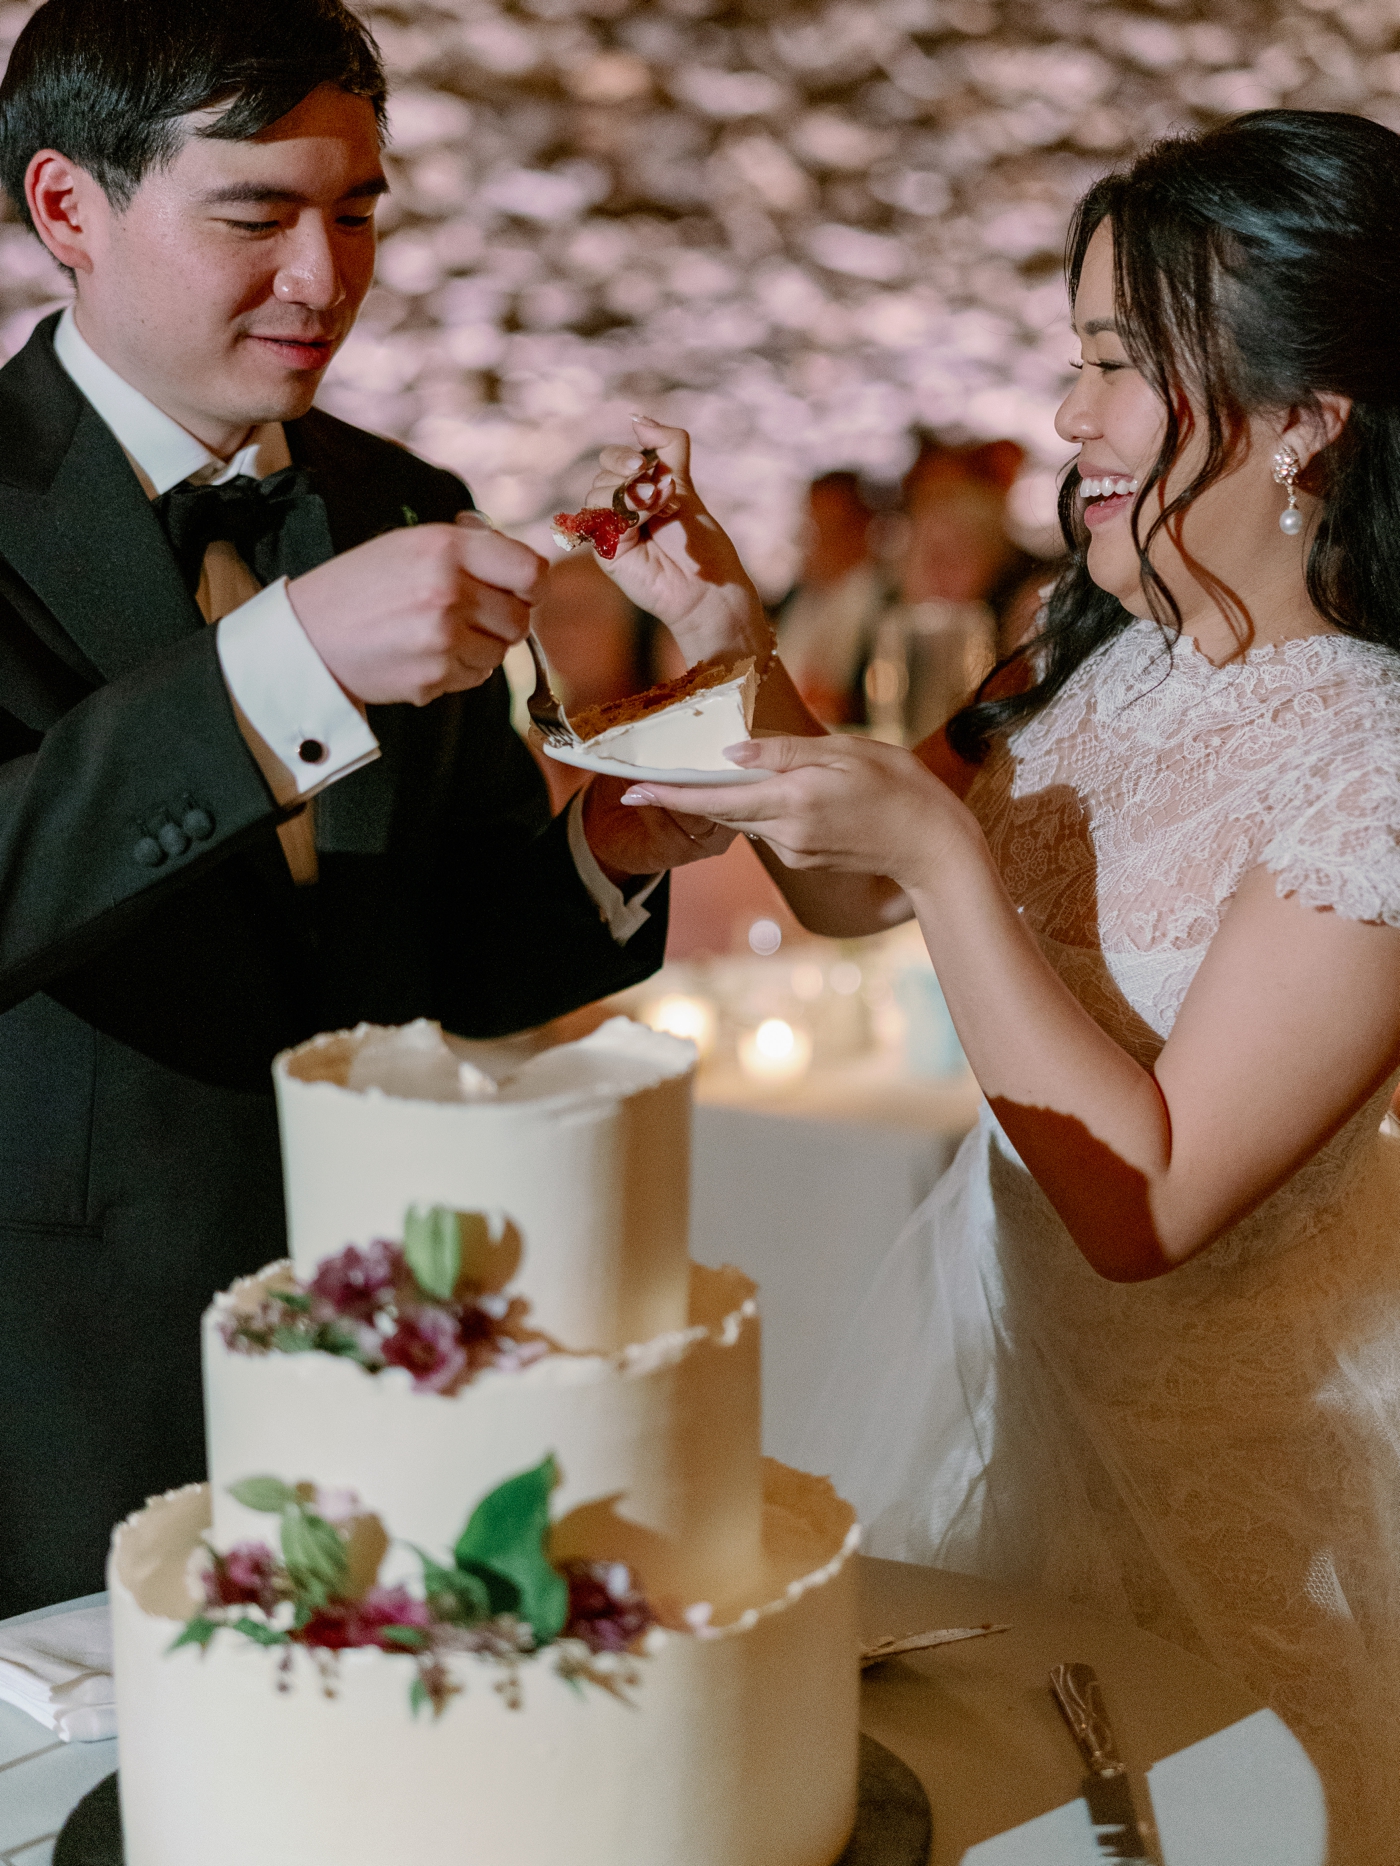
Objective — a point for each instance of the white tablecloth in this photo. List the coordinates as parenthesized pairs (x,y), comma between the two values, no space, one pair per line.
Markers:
(807,1207)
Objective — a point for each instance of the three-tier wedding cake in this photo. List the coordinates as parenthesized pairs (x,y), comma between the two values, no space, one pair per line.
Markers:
(489,1567)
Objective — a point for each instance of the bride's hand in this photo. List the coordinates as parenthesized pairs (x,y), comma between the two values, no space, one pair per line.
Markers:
(678,563)
(840,803)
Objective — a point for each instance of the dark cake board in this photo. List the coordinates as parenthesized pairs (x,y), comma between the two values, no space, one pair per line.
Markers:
(893,1825)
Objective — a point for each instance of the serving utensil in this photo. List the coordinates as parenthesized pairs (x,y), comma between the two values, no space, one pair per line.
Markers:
(1106,1786)
(890,1648)
(546,714)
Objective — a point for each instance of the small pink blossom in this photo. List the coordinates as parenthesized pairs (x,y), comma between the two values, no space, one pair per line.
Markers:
(428,1343)
(246,1576)
(342,1623)
(357,1283)
(337,1507)
(607,1610)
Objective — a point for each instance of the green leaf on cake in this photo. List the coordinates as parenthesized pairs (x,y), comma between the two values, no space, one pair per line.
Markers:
(260,1631)
(197,1632)
(432,1246)
(315,1554)
(268,1494)
(454,1593)
(407,1638)
(504,1544)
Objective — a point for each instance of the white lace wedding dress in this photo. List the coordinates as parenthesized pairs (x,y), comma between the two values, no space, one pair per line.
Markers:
(1216,1452)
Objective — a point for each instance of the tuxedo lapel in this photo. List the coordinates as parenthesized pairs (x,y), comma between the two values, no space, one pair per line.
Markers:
(75,523)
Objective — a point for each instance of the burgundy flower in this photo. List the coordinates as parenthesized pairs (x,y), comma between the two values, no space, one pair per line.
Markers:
(342,1623)
(246,1576)
(607,1610)
(357,1282)
(428,1343)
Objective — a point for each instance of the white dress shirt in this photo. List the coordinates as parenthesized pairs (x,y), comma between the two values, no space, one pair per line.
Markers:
(283,694)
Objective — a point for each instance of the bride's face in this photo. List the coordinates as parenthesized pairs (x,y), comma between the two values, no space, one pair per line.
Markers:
(1118,420)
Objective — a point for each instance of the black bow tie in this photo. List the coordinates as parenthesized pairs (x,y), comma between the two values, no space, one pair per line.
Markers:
(277,525)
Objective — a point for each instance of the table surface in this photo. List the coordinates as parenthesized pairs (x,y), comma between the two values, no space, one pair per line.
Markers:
(975,1721)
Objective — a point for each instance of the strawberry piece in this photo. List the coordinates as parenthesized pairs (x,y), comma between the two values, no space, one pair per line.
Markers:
(596,525)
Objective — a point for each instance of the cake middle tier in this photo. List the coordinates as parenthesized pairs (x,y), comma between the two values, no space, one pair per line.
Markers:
(657,1445)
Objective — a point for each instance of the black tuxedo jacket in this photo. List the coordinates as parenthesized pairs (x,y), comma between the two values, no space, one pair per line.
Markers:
(141,1007)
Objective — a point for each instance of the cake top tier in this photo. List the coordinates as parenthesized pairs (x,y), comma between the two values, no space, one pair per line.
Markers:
(578,1154)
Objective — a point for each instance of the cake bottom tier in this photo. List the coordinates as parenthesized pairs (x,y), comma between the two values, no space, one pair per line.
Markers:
(735,1749)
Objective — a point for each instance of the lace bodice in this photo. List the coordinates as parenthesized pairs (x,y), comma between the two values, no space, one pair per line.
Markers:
(1125,815)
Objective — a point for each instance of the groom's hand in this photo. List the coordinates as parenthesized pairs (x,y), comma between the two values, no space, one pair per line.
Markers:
(428,610)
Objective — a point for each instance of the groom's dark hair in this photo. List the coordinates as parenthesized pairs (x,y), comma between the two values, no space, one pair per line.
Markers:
(107,82)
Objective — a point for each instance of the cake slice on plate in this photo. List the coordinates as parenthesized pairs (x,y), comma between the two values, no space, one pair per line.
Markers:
(681,724)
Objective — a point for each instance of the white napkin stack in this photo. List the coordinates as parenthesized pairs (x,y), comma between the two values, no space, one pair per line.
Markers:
(58,1670)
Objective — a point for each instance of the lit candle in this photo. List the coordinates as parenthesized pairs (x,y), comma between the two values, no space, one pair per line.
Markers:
(682,1016)
(775,1052)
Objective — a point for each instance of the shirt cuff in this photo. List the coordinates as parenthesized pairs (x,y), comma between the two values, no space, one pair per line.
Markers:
(298,723)
(622,917)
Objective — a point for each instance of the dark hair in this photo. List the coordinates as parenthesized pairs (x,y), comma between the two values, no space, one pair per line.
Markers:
(106,82)
(1256,266)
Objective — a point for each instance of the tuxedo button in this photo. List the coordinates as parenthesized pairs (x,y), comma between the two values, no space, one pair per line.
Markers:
(198,824)
(148,852)
(173,839)
(311,752)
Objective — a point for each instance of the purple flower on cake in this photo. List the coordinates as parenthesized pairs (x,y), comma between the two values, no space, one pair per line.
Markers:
(373,1620)
(356,1284)
(388,1305)
(247,1576)
(607,1610)
(428,1343)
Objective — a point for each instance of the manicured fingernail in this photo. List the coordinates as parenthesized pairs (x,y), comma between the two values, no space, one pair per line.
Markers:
(638,794)
(650,420)
(633,463)
(744,753)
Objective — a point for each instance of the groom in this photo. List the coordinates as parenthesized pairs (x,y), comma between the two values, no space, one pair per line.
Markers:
(257,772)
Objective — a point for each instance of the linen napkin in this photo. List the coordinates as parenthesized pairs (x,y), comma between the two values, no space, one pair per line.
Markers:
(58,1670)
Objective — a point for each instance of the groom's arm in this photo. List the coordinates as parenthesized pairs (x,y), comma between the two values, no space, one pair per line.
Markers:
(537,930)
(111,796)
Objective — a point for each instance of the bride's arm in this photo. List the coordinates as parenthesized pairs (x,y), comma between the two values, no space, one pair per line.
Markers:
(1292,1021)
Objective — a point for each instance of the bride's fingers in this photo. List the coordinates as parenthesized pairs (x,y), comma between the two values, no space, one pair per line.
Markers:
(726,804)
(672,445)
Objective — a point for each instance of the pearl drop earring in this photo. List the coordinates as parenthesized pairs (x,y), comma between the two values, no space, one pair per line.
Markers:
(1286,466)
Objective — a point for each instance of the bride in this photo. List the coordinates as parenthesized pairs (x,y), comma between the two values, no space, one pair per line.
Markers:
(1142,1345)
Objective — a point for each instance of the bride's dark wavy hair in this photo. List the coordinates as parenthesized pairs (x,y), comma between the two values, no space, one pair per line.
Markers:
(1256,267)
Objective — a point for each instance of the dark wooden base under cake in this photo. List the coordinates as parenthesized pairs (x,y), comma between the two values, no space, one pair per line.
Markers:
(893,1825)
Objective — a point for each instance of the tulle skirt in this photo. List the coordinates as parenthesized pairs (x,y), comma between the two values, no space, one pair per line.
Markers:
(1215,1453)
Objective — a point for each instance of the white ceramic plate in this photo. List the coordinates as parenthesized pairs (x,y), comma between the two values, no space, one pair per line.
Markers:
(585,760)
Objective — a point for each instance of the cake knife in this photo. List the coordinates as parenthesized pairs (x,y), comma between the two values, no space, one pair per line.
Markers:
(1106,1786)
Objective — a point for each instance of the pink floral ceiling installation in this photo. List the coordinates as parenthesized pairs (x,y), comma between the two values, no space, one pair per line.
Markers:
(800,227)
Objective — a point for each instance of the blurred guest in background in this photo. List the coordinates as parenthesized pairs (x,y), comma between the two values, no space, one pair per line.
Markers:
(826,623)
(963,584)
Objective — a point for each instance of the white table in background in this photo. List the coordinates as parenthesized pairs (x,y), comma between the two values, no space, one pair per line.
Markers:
(805,1188)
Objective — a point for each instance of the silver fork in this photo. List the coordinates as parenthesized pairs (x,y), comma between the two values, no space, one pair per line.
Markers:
(546,714)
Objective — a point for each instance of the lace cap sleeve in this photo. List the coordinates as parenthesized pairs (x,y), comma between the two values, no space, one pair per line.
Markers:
(1334,835)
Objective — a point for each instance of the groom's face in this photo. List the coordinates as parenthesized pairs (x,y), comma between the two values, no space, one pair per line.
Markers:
(227,285)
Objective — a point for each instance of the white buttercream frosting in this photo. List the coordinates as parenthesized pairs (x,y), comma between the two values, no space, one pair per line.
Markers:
(690,735)
(657,1444)
(583,1150)
(736,1750)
